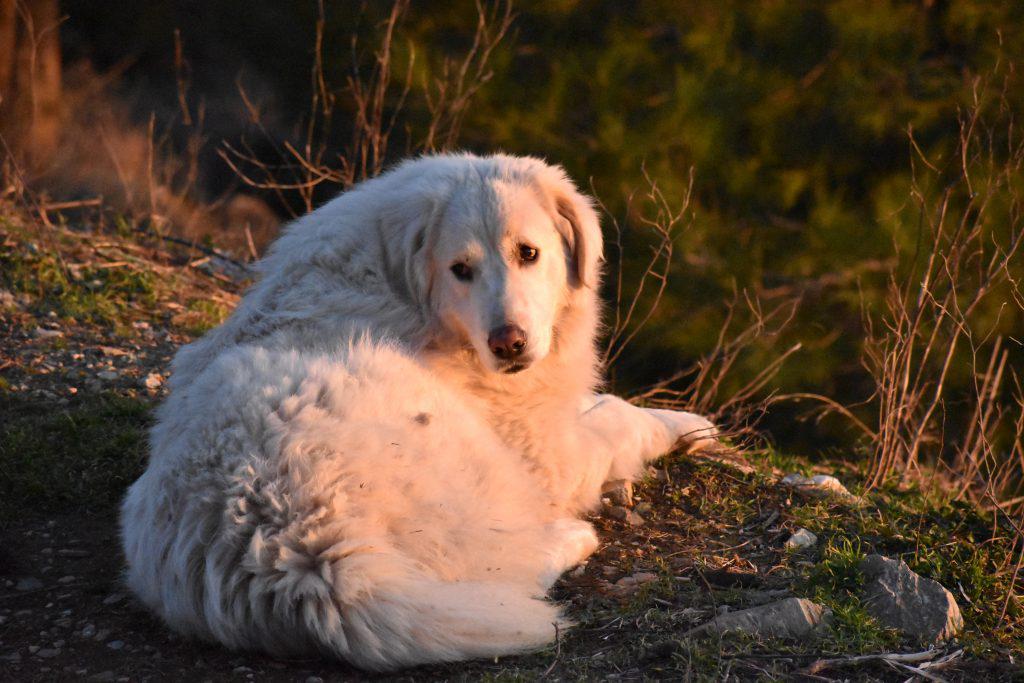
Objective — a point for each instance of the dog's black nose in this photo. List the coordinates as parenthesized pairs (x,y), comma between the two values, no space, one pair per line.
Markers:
(507,342)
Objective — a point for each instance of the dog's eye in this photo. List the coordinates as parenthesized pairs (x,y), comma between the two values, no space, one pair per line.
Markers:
(462,271)
(527,254)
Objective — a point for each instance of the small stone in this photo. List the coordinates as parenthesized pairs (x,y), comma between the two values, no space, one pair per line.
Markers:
(579,571)
(43,333)
(630,584)
(89,631)
(634,518)
(72,552)
(103,677)
(116,644)
(153,381)
(32,649)
(113,598)
(619,491)
(821,486)
(65,580)
(241,670)
(102,634)
(47,652)
(314,679)
(902,599)
(617,512)
(108,375)
(789,618)
(13,658)
(643,508)
(802,538)
(29,583)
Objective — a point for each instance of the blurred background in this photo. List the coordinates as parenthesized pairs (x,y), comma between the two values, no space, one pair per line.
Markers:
(786,174)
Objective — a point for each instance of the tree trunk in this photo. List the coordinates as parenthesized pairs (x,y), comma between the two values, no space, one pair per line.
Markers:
(30,79)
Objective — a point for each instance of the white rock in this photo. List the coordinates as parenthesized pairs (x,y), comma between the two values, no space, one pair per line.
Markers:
(902,599)
(108,375)
(630,584)
(29,583)
(43,333)
(620,491)
(789,618)
(821,486)
(802,538)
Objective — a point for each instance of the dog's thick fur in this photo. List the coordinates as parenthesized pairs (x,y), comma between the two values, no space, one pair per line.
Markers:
(347,467)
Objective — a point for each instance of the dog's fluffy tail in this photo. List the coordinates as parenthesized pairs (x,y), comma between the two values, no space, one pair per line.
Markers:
(419,622)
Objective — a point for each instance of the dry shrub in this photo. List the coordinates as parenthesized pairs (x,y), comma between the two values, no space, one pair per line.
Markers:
(946,397)
(713,385)
(376,103)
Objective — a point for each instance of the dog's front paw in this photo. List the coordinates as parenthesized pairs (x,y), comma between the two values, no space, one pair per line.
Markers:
(693,431)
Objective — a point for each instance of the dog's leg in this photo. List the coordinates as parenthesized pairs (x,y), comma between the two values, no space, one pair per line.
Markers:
(572,541)
(617,438)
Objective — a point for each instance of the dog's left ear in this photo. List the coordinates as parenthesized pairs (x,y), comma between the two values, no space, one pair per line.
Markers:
(580,228)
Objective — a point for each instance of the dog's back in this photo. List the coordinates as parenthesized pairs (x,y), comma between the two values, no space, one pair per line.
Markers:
(337,504)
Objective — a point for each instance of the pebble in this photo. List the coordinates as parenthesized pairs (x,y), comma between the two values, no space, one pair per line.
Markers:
(802,538)
(29,583)
(314,679)
(116,644)
(634,518)
(47,652)
(47,334)
(618,512)
(153,381)
(619,491)
(629,584)
(102,677)
(113,598)
(65,580)
(89,631)
(108,375)
(821,486)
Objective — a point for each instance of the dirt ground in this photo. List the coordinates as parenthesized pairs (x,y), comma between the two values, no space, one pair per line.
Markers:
(701,537)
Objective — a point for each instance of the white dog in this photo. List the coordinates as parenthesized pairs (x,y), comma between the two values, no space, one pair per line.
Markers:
(382,455)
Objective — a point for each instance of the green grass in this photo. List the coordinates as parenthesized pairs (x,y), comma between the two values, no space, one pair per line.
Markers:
(201,316)
(946,541)
(87,294)
(83,455)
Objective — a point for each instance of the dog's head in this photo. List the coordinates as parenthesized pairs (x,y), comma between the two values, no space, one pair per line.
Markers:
(499,257)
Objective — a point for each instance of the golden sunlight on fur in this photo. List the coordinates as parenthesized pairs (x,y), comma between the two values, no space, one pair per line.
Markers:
(382,455)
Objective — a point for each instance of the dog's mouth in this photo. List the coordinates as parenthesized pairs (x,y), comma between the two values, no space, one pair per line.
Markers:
(513,368)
